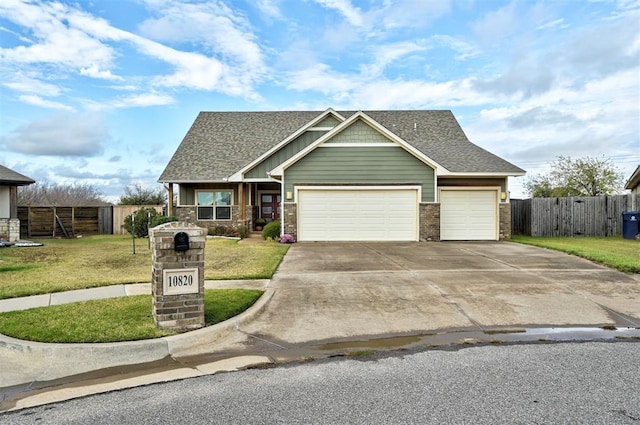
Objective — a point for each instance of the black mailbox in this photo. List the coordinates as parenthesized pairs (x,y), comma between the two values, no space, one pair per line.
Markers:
(181,242)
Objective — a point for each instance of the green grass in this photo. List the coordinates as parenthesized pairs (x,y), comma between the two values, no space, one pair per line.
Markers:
(68,264)
(616,252)
(113,319)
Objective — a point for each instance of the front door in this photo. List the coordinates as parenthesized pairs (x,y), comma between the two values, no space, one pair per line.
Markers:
(270,206)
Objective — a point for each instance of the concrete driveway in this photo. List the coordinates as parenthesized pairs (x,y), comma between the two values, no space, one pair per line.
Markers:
(328,291)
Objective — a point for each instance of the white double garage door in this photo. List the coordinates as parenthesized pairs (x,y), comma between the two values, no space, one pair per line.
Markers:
(392,214)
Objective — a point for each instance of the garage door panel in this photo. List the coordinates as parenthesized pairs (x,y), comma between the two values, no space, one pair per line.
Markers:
(357,215)
(468,214)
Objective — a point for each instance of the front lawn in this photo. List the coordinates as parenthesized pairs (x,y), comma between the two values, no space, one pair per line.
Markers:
(67,264)
(114,319)
(615,252)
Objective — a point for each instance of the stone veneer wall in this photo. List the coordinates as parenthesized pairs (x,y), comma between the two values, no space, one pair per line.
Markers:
(10,229)
(184,311)
(291,219)
(429,222)
(189,215)
(505,221)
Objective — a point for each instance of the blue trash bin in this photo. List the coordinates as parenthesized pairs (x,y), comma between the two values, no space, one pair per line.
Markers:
(630,220)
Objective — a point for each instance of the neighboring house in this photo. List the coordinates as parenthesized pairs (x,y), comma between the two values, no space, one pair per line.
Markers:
(341,176)
(9,182)
(633,184)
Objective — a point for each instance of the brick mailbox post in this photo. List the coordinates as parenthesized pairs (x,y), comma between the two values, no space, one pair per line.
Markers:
(177,282)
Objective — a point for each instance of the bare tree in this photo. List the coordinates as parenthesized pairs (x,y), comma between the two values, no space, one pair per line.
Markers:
(45,194)
(137,194)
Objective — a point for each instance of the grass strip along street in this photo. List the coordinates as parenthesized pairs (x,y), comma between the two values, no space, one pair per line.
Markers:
(68,264)
(114,319)
(616,252)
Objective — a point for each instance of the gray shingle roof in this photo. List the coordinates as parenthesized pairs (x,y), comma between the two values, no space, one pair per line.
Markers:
(220,143)
(10,177)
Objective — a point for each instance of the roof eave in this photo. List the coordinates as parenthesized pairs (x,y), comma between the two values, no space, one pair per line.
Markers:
(484,174)
(634,180)
(183,181)
(239,175)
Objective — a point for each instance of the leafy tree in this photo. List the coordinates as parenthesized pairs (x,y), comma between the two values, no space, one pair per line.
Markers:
(45,194)
(580,177)
(137,194)
(138,222)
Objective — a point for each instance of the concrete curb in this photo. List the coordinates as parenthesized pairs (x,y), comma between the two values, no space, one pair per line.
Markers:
(37,361)
(29,361)
(206,336)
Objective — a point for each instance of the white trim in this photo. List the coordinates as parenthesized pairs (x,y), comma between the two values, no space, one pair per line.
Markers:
(239,175)
(463,174)
(344,125)
(358,145)
(195,199)
(319,128)
(495,189)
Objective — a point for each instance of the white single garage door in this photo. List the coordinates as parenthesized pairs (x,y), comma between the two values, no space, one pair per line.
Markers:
(468,214)
(358,214)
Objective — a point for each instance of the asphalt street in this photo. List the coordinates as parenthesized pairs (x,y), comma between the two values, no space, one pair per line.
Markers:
(587,383)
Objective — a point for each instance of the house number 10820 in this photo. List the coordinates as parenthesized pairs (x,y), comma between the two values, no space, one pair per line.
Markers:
(180,281)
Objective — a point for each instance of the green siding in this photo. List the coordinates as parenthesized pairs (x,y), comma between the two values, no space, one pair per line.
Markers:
(502,182)
(361,165)
(359,132)
(282,154)
(329,121)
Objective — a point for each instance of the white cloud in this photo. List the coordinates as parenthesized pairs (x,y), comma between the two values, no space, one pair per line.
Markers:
(67,135)
(556,23)
(221,31)
(38,101)
(269,8)
(25,84)
(55,42)
(412,13)
(351,13)
(388,54)
(94,71)
(497,25)
(146,99)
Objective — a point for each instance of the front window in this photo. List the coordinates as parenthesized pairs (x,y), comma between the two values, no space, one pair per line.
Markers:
(214,205)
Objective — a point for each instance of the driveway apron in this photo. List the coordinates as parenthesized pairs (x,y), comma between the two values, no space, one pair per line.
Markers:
(329,291)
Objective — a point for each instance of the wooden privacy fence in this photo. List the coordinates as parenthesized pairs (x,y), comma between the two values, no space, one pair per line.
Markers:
(571,216)
(121,211)
(47,222)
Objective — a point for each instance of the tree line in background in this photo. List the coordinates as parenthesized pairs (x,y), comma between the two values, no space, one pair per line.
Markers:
(568,177)
(45,194)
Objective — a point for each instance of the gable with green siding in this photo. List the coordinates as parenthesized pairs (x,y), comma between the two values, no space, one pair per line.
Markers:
(328,121)
(370,165)
(282,154)
(359,132)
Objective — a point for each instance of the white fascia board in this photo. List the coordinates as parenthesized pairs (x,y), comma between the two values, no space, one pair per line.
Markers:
(239,175)
(480,174)
(373,123)
(193,181)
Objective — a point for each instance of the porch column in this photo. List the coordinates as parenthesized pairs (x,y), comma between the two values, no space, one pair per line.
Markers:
(170,200)
(243,203)
(13,201)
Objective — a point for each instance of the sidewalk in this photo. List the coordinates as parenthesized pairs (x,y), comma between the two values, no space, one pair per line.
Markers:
(33,373)
(112,291)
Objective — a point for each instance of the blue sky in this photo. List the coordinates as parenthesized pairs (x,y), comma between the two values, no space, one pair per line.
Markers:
(102,92)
